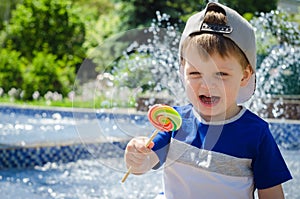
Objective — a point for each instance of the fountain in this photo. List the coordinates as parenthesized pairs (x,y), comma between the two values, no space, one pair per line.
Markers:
(278,74)
(143,69)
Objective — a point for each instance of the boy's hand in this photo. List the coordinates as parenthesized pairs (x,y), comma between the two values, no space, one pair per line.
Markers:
(137,156)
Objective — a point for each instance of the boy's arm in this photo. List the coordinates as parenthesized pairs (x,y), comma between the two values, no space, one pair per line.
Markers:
(275,192)
(138,157)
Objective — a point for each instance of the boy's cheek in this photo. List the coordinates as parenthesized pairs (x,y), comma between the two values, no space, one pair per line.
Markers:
(190,92)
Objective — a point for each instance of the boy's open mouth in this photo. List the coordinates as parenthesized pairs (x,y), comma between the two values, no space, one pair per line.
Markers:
(211,100)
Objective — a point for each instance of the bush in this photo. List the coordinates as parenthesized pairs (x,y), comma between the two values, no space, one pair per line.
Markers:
(56,24)
(11,69)
(251,6)
(47,73)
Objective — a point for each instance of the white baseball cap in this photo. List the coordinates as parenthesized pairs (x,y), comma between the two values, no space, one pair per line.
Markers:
(237,29)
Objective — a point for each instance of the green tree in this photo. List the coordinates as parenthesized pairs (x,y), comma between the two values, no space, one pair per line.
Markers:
(102,21)
(141,12)
(38,23)
(251,6)
(105,36)
(6,6)
(42,76)
(12,66)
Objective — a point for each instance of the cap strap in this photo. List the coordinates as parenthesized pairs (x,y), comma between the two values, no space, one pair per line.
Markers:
(216,28)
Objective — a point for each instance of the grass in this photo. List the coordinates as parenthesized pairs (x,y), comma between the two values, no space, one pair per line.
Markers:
(98,103)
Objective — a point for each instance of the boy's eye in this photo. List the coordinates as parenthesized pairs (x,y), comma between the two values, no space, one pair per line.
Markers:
(194,73)
(221,74)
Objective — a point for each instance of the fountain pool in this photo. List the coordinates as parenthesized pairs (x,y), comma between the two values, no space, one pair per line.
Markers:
(57,156)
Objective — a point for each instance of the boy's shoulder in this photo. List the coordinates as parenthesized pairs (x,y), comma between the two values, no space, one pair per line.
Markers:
(253,118)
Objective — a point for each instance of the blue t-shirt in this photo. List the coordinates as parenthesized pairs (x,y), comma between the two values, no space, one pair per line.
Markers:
(244,136)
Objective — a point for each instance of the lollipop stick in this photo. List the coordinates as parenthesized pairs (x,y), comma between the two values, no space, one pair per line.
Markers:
(126,175)
(147,145)
(152,137)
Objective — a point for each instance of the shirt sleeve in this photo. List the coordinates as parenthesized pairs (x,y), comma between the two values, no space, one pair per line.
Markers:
(269,167)
(161,147)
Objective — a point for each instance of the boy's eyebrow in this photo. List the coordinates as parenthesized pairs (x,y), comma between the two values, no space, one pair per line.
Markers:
(226,67)
(222,67)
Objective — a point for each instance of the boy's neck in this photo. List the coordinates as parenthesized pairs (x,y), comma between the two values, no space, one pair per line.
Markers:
(221,118)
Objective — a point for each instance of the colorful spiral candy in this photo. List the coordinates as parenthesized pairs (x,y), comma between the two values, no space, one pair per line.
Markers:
(164,118)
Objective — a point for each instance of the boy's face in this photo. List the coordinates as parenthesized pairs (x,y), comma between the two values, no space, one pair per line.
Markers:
(212,85)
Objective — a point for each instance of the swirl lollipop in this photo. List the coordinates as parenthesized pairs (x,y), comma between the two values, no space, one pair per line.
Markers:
(163,118)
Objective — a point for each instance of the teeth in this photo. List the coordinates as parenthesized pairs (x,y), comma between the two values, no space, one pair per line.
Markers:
(208,100)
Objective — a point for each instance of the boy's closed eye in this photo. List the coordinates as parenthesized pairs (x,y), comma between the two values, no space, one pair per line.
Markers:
(198,74)
(194,74)
(222,74)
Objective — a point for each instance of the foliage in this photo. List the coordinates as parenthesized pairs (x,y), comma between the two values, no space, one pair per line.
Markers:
(100,18)
(251,6)
(6,6)
(49,34)
(48,73)
(55,24)
(104,38)
(94,8)
(142,12)
(102,24)
(12,66)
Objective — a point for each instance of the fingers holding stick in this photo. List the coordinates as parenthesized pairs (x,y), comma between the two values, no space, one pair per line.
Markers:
(148,145)
(162,117)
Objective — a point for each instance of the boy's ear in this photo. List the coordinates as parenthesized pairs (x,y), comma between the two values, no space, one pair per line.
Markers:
(246,75)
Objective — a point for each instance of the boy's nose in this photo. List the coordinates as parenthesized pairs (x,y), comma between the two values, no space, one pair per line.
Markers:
(208,83)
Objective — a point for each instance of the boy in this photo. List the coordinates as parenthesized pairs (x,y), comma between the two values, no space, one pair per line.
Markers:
(222,150)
